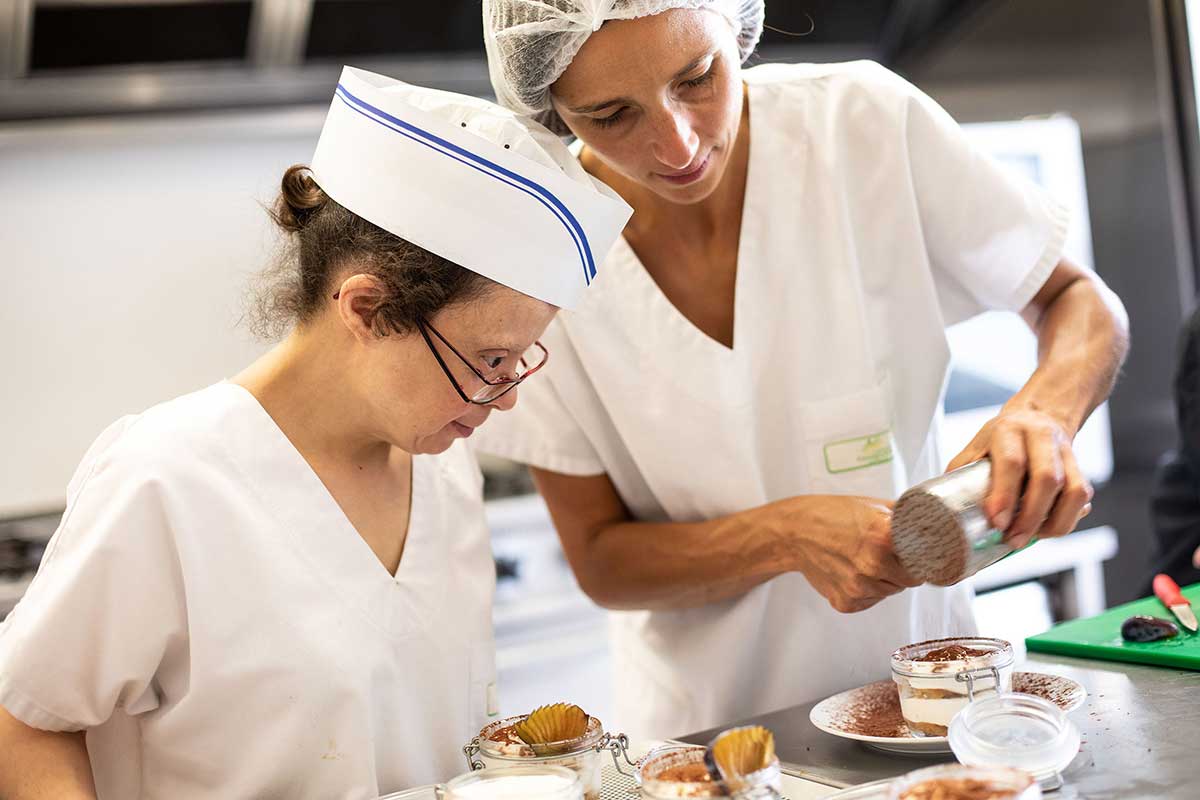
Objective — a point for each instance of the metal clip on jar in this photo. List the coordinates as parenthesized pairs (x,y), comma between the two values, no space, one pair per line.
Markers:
(679,771)
(939,530)
(932,689)
(494,748)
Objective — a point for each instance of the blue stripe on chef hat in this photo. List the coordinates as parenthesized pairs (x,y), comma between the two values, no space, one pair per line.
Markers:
(487,167)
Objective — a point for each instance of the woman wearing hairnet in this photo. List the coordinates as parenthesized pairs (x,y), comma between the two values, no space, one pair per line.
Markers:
(760,367)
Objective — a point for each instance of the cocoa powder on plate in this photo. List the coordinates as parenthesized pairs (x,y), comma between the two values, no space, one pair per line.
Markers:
(1059,691)
(873,710)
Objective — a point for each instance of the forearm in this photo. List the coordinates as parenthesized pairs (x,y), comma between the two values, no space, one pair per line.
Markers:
(1083,336)
(676,565)
(42,765)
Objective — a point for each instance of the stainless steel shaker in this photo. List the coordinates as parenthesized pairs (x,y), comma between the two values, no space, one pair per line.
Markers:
(939,529)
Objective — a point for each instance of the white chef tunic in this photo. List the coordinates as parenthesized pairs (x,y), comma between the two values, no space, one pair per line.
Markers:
(208,613)
(869,226)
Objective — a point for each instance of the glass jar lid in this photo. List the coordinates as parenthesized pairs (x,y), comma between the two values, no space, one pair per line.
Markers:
(947,656)
(1015,730)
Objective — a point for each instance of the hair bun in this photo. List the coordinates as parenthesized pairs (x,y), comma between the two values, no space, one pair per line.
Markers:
(299,198)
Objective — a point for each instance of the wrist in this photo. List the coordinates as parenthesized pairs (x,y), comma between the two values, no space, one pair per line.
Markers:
(1068,415)
(783,529)
(789,526)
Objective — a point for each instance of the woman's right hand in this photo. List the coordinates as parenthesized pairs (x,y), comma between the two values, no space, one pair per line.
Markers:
(843,546)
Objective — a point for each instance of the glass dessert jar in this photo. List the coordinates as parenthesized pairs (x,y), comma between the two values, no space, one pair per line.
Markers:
(514,783)
(499,746)
(671,772)
(958,782)
(938,678)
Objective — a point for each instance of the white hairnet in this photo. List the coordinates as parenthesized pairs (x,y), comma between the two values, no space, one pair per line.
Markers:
(530,43)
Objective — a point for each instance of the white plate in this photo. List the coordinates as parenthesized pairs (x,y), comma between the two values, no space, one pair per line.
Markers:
(826,715)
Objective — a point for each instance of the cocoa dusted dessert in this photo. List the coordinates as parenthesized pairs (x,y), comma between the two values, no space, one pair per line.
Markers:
(686,773)
(961,782)
(673,772)
(508,735)
(957,789)
(936,679)
(738,761)
(954,652)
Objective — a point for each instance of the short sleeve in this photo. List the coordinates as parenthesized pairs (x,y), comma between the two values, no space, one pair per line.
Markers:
(993,236)
(540,429)
(103,610)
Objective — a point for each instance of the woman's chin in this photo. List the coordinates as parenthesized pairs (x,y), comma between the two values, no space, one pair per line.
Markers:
(435,443)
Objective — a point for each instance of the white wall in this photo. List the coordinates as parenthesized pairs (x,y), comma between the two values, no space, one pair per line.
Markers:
(125,252)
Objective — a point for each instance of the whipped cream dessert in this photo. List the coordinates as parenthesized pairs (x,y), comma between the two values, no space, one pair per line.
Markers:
(515,787)
(936,679)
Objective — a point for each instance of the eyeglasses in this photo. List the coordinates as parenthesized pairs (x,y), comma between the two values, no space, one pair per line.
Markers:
(492,390)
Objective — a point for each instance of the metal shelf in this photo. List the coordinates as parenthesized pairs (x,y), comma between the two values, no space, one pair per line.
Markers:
(278,30)
(140,89)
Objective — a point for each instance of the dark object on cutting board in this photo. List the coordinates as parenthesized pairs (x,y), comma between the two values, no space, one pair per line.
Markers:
(1141,628)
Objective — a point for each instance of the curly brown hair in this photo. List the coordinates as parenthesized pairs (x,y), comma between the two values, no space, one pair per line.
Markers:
(324,241)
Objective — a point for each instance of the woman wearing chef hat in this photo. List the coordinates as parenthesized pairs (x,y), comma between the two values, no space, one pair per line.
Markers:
(761,366)
(281,585)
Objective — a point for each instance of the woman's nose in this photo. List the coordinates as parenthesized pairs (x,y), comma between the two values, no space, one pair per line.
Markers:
(507,400)
(674,143)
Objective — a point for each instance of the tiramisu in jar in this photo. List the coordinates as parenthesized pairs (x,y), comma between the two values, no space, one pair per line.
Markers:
(672,772)
(500,745)
(957,782)
(936,679)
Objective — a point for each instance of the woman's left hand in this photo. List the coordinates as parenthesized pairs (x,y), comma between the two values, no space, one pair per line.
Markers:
(1037,487)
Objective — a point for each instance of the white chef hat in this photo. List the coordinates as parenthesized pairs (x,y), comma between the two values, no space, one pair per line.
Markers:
(468,181)
(530,43)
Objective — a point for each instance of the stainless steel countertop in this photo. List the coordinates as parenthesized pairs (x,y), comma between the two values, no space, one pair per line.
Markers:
(1140,726)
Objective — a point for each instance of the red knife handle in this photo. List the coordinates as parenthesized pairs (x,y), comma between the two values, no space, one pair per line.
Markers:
(1168,592)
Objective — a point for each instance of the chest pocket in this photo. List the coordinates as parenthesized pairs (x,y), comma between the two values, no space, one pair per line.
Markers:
(850,447)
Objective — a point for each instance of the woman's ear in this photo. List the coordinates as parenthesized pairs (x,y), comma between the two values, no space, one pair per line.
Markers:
(358,300)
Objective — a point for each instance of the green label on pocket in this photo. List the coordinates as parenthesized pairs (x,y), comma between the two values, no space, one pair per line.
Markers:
(861,452)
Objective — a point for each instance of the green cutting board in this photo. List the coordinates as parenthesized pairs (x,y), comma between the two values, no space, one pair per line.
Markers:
(1100,636)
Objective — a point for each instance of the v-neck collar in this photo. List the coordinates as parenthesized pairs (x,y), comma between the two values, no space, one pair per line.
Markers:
(624,257)
(322,533)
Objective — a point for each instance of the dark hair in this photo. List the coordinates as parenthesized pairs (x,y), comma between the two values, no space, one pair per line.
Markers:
(326,241)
